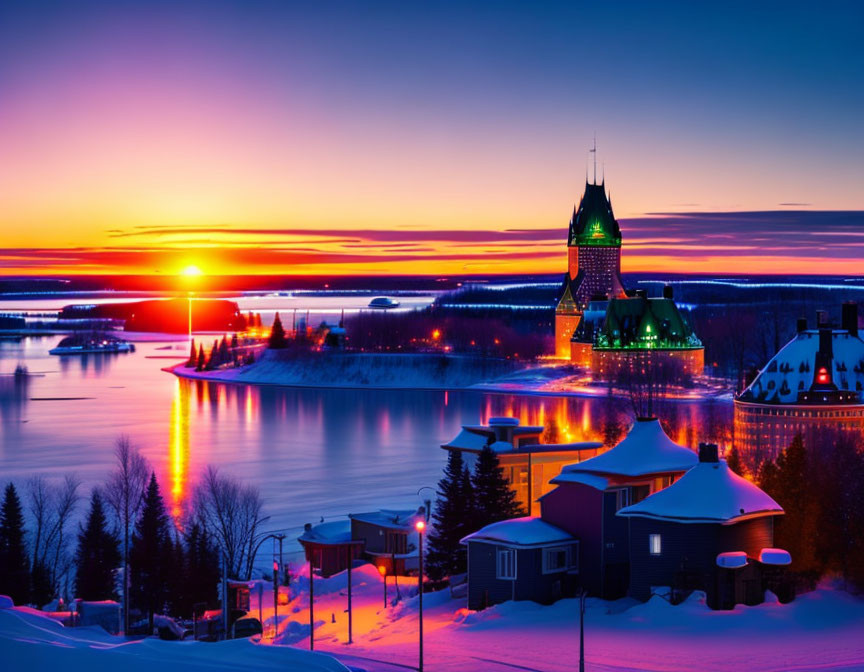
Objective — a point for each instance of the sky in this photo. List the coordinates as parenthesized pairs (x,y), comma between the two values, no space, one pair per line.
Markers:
(427,137)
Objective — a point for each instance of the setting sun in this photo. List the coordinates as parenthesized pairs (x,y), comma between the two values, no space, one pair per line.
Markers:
(192,271)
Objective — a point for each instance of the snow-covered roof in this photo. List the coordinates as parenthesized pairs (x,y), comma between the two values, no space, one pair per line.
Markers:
(592,480)
(645,450)
(468,439)
(732,559)
(709,493)
(527,532)
(333,532)
(774,556)
(791,370)
(393,520)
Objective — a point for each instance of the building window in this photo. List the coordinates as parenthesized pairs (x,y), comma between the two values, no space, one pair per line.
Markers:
(622,498)
(506,564)
(655,544)
(556,559)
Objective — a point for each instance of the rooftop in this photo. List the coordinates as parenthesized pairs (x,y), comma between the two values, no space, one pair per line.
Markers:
(527,532)
(390,519)
(709,493)
(645,450)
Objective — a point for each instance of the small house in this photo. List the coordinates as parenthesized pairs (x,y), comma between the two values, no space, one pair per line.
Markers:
(329,546)
(520,559)
(590,493)
(526,463)
(711,530)
(389,538)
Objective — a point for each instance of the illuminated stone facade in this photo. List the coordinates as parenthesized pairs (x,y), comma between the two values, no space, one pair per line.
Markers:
(681,364)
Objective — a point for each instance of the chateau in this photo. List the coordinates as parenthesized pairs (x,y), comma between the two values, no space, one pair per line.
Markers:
(598,323)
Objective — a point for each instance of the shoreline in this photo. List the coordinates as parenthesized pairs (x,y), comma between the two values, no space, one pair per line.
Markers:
(504,387)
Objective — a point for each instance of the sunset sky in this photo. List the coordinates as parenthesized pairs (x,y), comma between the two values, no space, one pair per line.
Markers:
(434,138)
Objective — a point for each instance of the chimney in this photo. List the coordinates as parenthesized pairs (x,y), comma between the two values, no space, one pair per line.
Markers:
(825,343)
(802,324)
(307,527)
(667,291)
(849,320)
(708,452)
(821,319)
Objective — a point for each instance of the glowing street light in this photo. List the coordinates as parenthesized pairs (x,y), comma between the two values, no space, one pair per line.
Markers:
(383,571)
(420,526)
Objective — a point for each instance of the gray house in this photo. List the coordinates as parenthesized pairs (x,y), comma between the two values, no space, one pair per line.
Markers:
(711,530)
(590,493)
(520,559)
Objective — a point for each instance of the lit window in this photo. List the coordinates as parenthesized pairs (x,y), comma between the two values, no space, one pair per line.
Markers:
(506,564)
(655,544)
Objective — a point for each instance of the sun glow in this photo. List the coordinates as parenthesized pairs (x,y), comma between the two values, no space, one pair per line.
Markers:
(192,271)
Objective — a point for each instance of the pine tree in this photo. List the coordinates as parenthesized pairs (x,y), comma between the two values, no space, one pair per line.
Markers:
(98,555)
(202,569)
(202,360)
(148,573)
(235,343)
(494,499)
(14,566)
(224,354)
(790,481)
(277,335)
(213,360)
(733,461)
(193,356)
(452,518)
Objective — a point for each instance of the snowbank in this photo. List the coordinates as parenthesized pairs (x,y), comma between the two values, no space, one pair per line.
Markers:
(32,642)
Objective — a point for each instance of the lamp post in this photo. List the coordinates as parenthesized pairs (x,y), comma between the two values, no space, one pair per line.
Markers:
(383,571)
(420,526)
(311,607)
(582,595)
(350,628)
(276,570)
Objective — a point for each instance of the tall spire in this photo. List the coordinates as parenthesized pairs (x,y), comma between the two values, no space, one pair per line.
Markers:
(593,150)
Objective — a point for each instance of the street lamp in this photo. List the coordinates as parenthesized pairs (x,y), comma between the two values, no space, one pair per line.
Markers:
(582,595)
(276,570)
(420,526)
(383,571)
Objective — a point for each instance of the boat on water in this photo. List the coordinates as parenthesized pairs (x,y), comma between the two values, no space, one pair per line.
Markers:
(383,302)
(79,344)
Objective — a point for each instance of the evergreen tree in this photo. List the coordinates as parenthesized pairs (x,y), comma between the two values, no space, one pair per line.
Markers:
(202,569)
(277,335)
(733,461)
(235,343)
(14,566)
(193,355)
(176,577)
(147,555)
(98,555)
(41,586)
(493,497)
(224,354)
(213,360)
(452,518)
(790,481)
(202,360)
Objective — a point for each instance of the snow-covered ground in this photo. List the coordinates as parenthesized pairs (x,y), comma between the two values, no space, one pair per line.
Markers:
(821,631)
(30,641)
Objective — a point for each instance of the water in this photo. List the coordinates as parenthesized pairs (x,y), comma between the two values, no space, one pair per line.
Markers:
(311,452)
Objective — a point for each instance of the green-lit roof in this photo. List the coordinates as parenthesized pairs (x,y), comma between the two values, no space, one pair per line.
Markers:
(638,322)
(592,222)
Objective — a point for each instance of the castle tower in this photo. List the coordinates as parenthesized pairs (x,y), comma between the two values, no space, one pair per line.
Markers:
(593,263)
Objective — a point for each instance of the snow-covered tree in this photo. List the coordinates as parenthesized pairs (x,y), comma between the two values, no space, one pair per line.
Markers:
(98,555)
(733,461)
